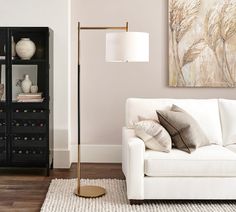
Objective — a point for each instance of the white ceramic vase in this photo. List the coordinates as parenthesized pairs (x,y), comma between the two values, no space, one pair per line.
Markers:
(26,84)
(25,48)
(34,89)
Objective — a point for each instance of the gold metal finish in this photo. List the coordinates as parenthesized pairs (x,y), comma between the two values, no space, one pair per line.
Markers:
(90,191)
(103,28)
(78,46)
(78,164)
(126,28)
(78,171)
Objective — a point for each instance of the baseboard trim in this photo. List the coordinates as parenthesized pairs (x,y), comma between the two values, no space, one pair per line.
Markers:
(61,158)
(97,153)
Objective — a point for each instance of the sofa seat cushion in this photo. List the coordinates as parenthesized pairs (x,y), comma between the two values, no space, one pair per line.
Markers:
(232,147)
(209,161)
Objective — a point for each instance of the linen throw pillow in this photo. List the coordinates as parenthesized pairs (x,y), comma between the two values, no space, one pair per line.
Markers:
(154,135)
(184,130)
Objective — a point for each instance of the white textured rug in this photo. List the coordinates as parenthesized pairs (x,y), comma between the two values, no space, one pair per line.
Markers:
(60,198)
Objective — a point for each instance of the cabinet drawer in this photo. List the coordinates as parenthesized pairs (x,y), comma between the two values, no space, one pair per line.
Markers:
(3,156)
(28,155)
(21,158)
(2,129)
(2,115)
(2,125)
(2,144)
(23,129)
(38,114)
(29,126)
(29,141)
(2,150)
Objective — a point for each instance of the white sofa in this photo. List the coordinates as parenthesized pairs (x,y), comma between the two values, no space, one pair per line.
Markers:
(207,173)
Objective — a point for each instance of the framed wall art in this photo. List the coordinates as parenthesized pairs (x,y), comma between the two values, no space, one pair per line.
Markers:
(202,43)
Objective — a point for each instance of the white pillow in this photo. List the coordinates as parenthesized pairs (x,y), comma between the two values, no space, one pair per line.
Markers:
(204,111)
(154,135)
(228,120)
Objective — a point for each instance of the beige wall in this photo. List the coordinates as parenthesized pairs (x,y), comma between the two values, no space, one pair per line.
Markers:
(54,14)
(106,86)
(73,73)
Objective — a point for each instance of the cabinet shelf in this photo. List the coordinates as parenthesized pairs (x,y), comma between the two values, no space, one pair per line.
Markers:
(30,104)
(28,62)
(24,62)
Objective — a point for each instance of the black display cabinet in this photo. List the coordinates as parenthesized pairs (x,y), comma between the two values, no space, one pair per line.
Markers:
(25,127)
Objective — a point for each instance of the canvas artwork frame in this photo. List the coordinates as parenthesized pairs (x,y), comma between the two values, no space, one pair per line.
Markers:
(202,43)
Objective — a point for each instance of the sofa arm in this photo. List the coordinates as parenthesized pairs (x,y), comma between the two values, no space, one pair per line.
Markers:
(126,135)
(135,174)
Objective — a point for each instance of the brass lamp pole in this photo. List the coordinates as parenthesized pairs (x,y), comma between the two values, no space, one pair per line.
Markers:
(88,191)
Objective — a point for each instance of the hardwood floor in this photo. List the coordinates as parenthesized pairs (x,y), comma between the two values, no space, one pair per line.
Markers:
(24,191)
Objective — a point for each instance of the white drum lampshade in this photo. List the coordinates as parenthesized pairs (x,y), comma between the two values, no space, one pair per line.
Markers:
(127,47)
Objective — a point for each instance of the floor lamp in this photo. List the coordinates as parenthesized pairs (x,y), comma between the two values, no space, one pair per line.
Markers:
(120,47)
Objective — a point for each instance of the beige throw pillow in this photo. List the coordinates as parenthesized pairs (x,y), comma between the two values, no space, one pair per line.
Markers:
(184,130)
(154,135)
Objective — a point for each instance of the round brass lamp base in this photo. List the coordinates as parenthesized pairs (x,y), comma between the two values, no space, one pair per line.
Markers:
(90,191)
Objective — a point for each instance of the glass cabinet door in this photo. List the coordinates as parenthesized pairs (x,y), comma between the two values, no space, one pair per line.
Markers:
(29,67)
(28,96)
(3,104)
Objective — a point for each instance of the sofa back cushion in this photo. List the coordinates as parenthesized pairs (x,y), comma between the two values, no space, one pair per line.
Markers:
(228,120)
(204,111)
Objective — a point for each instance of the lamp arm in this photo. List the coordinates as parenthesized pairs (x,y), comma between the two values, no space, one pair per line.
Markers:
(126,28)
